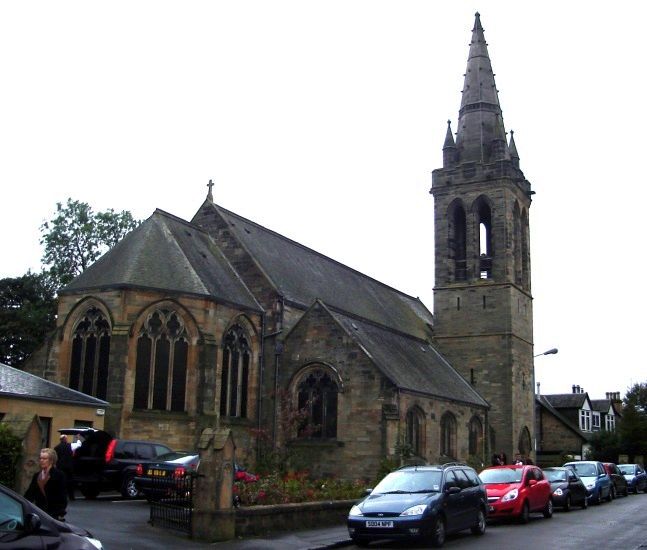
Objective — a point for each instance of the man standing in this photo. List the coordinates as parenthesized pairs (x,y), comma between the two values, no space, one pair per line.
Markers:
(64,453)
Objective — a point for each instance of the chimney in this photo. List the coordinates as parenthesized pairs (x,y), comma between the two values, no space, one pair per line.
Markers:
(574,388)
(538,388)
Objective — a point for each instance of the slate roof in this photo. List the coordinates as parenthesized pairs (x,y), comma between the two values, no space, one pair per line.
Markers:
(167,253)
(566,400)
(425,370)
(302,275)
(544,402)
(21,384)
(601,405)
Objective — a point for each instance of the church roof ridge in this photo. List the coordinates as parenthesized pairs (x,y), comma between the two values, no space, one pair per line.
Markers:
(321,255)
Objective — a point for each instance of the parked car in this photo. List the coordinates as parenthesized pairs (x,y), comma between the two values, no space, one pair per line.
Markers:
(635,476)
(157,480)
(102,462)
(619,483)
(516,491)
(24,525)
(169,475)
(595,478)
(567,487)
(421,502)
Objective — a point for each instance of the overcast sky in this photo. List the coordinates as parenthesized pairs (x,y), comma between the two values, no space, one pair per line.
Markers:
(323,121)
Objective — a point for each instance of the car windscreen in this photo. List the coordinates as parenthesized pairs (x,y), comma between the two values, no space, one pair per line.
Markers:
(555,475)
(410,481)
(501,475)
(626,469)
(585,470)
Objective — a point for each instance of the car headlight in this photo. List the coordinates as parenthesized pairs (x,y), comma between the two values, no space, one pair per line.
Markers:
(510,495)
(355,511)
(558,492)
(416,510)
(94,542)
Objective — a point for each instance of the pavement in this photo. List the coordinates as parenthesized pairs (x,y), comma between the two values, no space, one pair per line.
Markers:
(311,539)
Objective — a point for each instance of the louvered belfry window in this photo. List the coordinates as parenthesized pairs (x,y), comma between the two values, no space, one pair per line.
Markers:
(90,354)
(161,366)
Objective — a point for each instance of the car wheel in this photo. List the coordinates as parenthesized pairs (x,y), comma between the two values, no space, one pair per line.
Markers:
(612,494)
(129,488)
(479,528)
(585,503)
(438,533)
(548,510)
(567,504)
(525,513)
(90,490)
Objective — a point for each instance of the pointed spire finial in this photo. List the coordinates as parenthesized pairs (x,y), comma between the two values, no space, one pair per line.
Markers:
(210,194)
(449,137)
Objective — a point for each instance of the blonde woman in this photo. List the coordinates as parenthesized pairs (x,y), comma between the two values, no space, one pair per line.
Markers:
(48,489)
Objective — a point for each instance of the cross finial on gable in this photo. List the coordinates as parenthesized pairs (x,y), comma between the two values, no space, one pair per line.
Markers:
(210,194)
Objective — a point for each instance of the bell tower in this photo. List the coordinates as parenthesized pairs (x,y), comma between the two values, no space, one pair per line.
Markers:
(482,297)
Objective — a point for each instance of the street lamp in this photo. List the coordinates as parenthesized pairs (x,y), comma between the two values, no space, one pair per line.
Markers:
(551,351)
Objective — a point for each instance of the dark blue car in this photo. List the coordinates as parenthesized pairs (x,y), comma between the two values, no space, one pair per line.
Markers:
(421,502)
(636,477)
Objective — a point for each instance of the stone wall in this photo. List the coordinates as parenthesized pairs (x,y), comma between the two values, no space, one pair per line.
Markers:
(261,520)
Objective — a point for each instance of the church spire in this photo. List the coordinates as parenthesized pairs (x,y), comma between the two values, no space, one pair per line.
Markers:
(513,150)
(481,134)
(449,148)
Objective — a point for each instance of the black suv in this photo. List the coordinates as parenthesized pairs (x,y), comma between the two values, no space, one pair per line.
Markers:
(103,463)
(421,502)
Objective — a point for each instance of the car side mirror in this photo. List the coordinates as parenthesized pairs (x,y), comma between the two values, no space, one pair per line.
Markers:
(367,491)
(32,523)
(453,490)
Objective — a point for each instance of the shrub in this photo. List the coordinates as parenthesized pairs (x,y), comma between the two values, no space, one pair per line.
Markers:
(295,487)
(10,453)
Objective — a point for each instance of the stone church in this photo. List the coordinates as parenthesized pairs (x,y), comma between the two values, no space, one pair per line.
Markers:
(184,324)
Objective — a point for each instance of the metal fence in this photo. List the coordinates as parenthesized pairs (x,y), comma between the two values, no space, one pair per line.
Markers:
(171,502)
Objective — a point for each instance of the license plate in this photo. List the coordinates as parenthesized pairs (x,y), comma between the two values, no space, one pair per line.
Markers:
(380,523)
(157,473)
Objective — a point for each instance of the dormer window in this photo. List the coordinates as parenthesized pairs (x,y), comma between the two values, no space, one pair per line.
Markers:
(595,421)
(610,423)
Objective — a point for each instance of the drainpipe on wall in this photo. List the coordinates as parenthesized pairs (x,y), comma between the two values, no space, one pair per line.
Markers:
(261,371)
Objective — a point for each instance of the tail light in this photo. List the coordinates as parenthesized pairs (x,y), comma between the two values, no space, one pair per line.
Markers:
(110,451)
(180,471)
(139,470)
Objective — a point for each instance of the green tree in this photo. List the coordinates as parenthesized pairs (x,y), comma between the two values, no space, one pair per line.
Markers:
(605,446)
(76,237)
(637,396)
(632,431)
(27,314)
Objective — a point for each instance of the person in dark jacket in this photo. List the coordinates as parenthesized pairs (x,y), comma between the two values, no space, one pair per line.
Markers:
(48,487)
(64,463)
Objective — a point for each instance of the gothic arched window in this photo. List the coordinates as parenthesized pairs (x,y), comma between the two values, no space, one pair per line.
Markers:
(90,354)
(414,429)
(161,365)
(317,397)
(476,437)
(448,435)
(236,356)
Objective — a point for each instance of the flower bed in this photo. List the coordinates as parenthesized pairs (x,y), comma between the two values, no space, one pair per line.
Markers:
(293,488)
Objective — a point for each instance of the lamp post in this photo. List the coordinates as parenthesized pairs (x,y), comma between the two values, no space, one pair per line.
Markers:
(551,351)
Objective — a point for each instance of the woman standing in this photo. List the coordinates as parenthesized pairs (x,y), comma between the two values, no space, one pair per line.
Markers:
(48,487)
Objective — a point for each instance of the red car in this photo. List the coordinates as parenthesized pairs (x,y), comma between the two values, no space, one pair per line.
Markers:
(516,491)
